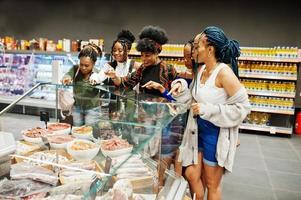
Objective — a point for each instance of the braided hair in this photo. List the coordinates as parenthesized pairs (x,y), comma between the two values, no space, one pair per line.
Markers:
(151,39)
(95,48)
(125,38)
(88,52)
(226,50)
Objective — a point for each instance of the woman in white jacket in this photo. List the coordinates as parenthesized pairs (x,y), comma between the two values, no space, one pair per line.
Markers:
(219,103)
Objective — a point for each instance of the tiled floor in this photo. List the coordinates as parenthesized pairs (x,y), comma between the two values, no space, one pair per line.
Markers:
(267,167)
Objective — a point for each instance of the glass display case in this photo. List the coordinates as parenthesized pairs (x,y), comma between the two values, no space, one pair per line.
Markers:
(111,144)
(21,70)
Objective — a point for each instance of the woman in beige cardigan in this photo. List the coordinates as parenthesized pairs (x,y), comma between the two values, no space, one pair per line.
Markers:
(219,103)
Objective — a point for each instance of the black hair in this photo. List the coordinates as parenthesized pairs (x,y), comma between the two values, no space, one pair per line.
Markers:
(125,38)
(146,45)
(88,52)
(155,36)
(189,42)
(95,48)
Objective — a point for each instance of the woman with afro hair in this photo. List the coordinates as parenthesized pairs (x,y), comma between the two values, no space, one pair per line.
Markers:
(121,65)
(154,75)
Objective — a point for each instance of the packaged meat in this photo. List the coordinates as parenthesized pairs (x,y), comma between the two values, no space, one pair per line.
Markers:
(27,171)
(24,147)
(70,175)
(21,188)
(45,156)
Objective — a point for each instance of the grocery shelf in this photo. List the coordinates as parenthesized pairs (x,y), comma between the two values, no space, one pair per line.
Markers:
(271,129)
(267,110)
(42,103)
(289,78)
(271,94)
(40,52)
(160,55)
(290,60)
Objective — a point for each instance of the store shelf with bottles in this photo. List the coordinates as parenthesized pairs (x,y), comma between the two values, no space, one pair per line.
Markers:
(275,54)
(267,122)
(270,75)
(286,89)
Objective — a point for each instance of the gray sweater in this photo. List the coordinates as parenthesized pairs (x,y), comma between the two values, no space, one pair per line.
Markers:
(227,116)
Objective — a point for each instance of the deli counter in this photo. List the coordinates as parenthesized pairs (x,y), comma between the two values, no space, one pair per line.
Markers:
(102,143)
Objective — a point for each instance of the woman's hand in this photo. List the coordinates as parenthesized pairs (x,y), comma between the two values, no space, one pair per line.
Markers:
(154,85)
(176,89)
(66,80)
(196,109)
(111,74)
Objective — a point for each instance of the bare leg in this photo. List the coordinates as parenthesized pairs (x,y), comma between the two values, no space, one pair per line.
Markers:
(164,164)
(193,175)
(213,178)
(178,165)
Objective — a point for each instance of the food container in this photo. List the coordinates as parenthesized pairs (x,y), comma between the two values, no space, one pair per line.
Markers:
(59,128)
(118,152)
(65,139)
(81,149)
(83,132)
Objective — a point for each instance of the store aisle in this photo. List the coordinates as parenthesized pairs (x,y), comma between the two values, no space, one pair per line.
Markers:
(267,168)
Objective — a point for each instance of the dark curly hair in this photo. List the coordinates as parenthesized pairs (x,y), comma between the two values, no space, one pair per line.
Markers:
(154,36)
(88,52)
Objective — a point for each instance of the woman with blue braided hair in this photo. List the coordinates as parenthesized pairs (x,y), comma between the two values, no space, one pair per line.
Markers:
(219,104)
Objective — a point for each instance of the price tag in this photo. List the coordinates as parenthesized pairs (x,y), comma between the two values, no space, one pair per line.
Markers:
(44,117)
(108,165)
(272,130)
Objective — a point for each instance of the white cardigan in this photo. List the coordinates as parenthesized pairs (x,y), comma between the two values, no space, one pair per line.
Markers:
(227,116)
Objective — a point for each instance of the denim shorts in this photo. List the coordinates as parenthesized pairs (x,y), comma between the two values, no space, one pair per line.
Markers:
(207,141)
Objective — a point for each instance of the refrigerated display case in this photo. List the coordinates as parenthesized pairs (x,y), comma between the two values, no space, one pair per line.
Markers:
(116,149)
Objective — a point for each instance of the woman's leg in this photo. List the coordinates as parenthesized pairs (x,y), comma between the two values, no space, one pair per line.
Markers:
(193,174)
(213,178)
(178,165)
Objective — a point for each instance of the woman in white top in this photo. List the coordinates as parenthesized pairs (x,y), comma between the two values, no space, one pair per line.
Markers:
(219,103)
(121,64)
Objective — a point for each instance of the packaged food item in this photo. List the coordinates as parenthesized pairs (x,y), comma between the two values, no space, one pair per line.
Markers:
(27,171)
(14,189)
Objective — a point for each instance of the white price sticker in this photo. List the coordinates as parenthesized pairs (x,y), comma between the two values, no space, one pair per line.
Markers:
(272,130)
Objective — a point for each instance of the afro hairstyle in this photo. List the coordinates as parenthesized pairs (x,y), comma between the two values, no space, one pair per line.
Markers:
(154,33)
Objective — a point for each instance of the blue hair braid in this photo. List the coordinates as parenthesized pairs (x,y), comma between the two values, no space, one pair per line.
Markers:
(227,51)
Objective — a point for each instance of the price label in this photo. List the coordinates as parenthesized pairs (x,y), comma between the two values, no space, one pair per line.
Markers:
(272,130)
(108,165)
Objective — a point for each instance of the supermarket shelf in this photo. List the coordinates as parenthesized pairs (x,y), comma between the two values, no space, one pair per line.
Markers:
(42,103)
(290,60)
(268,77)
(270,129)
(285,112)
(40,52)
(271,94)
(161,55)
